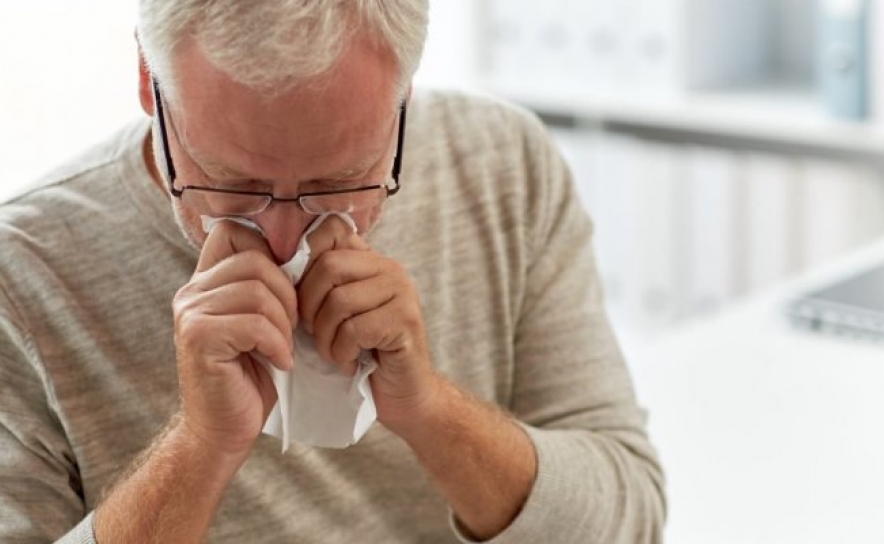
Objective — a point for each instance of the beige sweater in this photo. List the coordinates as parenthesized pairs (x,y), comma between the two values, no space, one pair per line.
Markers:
(488,225)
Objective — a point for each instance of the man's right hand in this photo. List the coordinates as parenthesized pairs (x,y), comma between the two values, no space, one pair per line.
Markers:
(238,303)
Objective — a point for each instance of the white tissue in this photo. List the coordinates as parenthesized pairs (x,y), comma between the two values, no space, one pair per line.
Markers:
(318,405)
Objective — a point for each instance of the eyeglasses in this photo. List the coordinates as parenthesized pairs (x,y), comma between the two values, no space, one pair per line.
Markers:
(222,202)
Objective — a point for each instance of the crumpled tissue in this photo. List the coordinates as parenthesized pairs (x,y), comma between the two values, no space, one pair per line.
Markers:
(317,405)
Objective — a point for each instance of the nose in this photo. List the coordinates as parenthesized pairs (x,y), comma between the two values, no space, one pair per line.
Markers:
(283,227)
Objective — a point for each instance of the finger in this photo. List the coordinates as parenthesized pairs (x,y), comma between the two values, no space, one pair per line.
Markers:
(227,239)
(252,266)
(333,233)
(334,338)
(349,368)
(224,338)
(246,297)
(254,333)
(333,269)
(393,327)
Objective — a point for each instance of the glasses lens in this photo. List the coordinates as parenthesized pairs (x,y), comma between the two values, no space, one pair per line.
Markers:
(345,201)
(218,204)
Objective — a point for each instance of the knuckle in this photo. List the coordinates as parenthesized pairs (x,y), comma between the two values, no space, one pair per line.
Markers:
(352,240)
(185,292)
(264,306)
(254,324)
(340,228)
(255,289)
(338,299)
(184,309)
(189,330)
(261,293)
(326,261)
(348,329)
(265,301)
(412,317)
(398,270)
(368,333)
(252,330)
(344,351)
(347,364)
(256,263)
(291,304)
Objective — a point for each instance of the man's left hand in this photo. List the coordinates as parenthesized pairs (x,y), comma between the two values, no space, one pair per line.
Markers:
(352,298)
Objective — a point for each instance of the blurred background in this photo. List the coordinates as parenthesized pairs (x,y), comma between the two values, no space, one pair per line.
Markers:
(722,147)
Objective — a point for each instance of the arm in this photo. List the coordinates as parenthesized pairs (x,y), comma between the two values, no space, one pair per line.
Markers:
(237,302)
(40,495)
(573,460)
(353,298)
(170,493)
(479,459)
(598,476)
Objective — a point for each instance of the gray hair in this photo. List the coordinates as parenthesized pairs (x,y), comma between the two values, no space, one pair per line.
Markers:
(273,45)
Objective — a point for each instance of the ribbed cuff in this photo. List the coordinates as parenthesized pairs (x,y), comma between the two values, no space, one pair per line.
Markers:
(537,521)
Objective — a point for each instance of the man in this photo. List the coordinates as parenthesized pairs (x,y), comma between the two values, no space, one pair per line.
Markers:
(505,412)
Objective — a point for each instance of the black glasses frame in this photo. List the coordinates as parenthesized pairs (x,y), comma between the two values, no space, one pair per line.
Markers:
(177,193)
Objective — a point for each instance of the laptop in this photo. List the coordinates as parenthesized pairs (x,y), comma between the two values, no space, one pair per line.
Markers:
(853,306)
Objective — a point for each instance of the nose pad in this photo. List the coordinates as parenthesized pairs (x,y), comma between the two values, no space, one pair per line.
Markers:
(283,230)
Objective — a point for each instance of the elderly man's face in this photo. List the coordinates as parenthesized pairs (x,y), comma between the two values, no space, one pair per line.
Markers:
(337,132)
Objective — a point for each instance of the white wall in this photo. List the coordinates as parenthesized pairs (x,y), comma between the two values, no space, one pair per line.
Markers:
(450,58)
(68,79)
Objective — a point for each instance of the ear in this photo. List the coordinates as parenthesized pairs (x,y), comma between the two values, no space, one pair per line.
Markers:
(145,85)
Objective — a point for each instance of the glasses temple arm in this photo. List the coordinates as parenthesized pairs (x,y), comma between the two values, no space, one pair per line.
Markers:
(167,155)
(400,139)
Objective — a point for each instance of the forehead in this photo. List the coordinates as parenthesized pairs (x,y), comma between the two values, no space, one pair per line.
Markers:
(330,123)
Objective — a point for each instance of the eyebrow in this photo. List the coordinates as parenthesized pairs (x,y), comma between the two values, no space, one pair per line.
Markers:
(216,169)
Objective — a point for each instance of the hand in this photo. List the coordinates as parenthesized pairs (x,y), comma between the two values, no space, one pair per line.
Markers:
(352,298)
(237,303)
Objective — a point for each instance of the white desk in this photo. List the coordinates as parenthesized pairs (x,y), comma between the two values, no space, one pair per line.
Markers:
(768,434)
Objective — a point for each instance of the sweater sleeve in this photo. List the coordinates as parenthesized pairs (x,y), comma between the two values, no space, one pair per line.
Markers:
(598,478)
(40,494)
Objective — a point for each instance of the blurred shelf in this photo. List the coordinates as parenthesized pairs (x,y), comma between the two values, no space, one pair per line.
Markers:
(771,115)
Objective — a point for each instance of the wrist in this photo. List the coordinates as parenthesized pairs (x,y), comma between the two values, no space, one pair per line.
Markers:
(223,461)
(179,477)
(423,413)
(228,435)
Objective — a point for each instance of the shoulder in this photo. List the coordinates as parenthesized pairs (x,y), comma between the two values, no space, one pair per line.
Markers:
(95,160)
(83,185)
(469,121)
(479,141)
(48,225)
(458,107)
